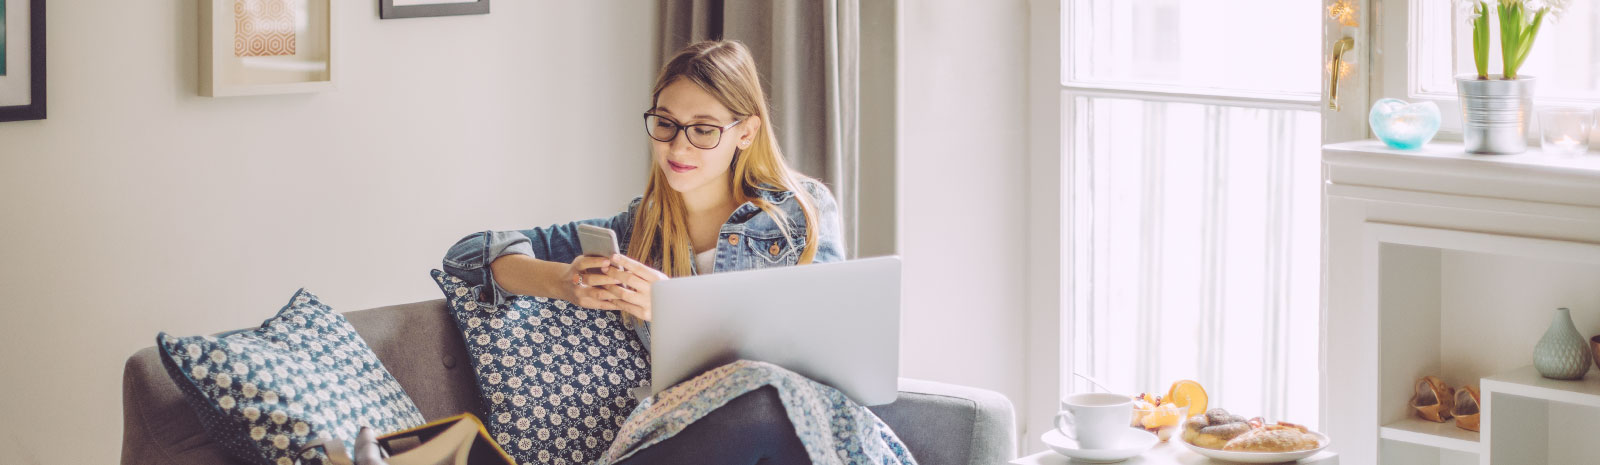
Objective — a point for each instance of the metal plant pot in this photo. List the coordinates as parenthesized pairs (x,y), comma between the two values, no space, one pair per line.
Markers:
(1495,113)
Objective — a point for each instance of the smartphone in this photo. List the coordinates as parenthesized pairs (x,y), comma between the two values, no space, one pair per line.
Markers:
(597,241)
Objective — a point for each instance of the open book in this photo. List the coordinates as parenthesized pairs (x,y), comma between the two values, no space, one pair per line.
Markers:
(458,440)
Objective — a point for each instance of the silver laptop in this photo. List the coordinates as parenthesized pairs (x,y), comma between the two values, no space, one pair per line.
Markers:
(836,323)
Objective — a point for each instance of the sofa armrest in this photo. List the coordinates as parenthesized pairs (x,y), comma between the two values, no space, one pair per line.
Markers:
(158,426)
(947,424)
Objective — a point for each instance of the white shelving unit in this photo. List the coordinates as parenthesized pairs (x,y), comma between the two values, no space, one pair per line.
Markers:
(1539,420)
(1526,382)
(1449,264)
(1430,434)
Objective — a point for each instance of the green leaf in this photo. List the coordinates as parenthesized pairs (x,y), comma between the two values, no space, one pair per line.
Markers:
(1508,38)
(1480,40)
(1525,42)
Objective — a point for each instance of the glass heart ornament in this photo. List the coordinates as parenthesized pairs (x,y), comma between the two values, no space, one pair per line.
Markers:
(1404,125)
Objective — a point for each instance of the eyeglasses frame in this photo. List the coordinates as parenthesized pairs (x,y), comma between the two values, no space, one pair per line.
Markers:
(721,130)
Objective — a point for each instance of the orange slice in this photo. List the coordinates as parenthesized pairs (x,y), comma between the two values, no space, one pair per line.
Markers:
(1189,394)
(1167,415)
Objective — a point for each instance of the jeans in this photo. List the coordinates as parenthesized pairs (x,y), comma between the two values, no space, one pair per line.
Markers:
(753,428)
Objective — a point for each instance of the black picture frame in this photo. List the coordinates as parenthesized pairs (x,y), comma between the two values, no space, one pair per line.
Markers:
(35,107)
(387,9)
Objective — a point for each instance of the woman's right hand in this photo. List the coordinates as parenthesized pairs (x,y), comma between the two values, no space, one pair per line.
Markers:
(583,288)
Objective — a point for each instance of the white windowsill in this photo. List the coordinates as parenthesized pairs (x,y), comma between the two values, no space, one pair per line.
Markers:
(1445,168)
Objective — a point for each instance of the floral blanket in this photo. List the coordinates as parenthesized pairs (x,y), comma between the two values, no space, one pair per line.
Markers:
(834,429)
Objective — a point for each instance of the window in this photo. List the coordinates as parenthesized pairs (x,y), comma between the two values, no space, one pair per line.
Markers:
(1194,46)
(1428,43)
(1193,202)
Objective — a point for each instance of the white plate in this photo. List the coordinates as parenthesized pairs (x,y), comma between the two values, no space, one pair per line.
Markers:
(1256,457)
(1134,443)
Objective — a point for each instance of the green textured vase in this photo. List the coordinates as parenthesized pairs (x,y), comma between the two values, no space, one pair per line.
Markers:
(1562,353)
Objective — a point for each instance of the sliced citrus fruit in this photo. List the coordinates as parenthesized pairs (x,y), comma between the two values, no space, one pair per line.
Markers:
(1186,393)
(1164,416)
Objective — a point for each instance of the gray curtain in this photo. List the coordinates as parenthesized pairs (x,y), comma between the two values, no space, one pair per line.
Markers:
(808,54)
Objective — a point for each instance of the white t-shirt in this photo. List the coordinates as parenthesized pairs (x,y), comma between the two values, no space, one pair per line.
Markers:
(704,261)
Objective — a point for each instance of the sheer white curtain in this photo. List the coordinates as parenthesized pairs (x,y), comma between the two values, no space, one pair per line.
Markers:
(1193,205)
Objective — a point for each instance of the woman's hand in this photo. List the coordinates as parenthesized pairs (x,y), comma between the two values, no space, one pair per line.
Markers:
(588,289)
(630,287)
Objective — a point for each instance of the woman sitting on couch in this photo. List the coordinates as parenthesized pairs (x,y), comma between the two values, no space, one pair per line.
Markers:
(715,164)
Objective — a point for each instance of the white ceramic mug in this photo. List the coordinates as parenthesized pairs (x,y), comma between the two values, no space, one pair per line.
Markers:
(1095,419)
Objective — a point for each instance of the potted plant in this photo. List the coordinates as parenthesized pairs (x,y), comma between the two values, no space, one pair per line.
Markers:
(1495,108)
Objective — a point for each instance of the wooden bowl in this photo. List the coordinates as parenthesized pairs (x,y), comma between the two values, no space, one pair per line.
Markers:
(1594,344)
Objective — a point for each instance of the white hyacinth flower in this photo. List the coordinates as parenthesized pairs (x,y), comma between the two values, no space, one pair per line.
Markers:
(1470,9)
(1557,8)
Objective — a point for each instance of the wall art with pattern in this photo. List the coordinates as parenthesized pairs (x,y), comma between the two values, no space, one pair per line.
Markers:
(258,47)
(21,60)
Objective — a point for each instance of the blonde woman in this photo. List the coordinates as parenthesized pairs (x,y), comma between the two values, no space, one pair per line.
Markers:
(719,198)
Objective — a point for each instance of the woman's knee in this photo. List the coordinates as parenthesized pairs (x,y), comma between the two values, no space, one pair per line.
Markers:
(761,408)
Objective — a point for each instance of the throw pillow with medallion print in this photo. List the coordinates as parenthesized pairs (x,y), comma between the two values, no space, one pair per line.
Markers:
(556,378)
(263,393)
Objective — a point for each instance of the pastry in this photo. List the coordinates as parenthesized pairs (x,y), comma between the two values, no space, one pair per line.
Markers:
(1282,437)
(1219,416)
(1214,429)
(1218,429)
(1227,431)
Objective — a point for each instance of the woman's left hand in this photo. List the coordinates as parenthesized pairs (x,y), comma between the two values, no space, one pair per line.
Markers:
(633,295)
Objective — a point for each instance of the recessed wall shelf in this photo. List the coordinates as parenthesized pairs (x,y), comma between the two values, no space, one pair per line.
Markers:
(1427,433)
(1449,264)
(1526,382)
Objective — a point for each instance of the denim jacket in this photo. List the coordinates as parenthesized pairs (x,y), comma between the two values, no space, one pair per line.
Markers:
(750,239)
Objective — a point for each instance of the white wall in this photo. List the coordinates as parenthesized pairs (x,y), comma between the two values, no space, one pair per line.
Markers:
(964,229)
(140,207)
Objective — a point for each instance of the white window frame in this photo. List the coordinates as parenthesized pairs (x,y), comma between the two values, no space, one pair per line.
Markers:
(1051,283)
(1398,35)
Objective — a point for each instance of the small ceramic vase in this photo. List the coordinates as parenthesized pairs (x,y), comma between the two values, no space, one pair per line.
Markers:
(1562,353)
(1594,343)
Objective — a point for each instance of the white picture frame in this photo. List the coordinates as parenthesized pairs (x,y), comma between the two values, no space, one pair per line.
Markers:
(302,58)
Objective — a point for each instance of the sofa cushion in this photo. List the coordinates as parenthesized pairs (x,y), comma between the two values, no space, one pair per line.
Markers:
(302,375)
(556,379)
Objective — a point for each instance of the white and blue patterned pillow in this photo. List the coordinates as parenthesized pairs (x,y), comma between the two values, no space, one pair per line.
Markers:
(303,375)
(557,378)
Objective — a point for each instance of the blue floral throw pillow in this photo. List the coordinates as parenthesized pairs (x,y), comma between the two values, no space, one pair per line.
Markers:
(556,378)
(303,375)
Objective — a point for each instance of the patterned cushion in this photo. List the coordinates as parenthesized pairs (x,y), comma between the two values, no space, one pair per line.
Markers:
(557,378)
(304,374)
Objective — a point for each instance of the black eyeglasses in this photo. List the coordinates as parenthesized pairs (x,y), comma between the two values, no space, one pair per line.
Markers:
(702,136)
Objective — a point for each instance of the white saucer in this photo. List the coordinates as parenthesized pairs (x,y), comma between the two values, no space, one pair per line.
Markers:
(1133,443)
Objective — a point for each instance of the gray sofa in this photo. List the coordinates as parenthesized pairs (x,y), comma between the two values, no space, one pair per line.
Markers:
(942,424)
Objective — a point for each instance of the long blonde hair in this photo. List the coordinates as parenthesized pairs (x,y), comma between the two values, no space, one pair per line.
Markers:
(726,70)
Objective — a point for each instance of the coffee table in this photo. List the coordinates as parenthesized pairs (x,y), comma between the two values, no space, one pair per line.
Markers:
(1166,453)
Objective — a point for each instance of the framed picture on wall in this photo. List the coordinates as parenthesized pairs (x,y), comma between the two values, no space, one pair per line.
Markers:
(391,9)
(21,60)
(260,47)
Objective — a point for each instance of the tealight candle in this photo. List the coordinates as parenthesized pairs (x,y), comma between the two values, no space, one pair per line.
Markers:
(1565,131)
(1566,145)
